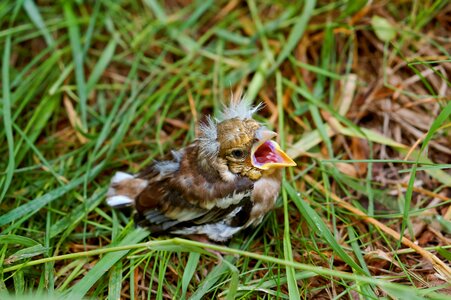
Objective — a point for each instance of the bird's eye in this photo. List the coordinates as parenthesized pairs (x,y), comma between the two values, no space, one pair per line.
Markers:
(237,153)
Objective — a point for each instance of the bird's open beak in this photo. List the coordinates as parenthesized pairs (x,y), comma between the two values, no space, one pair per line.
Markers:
(266,154)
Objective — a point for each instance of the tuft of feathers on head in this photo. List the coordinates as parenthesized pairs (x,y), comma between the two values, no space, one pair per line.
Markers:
(241,109)
(209,144)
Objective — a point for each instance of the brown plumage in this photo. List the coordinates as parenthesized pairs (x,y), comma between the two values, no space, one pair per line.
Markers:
(226,180)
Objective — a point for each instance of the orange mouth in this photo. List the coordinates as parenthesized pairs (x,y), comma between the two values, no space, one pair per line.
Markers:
(266,154)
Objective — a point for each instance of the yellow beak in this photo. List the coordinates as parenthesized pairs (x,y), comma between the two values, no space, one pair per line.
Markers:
(266,154)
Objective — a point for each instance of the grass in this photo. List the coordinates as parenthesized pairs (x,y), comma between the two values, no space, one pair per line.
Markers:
(359,93)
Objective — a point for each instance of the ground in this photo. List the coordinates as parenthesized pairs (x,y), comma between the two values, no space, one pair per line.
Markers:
(357,90)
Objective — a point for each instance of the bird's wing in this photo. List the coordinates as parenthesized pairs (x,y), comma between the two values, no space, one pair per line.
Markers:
(178,195)
(167,204)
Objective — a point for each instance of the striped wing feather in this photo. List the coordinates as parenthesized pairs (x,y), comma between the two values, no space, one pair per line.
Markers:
(178,195)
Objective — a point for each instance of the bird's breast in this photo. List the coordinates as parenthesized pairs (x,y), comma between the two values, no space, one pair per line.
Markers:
(264,196)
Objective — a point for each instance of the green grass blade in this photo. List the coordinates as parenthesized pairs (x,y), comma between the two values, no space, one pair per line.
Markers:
(439,121)
(101,65)
(233,286)
(105,264)
(34,14)
(91,27)
(316,69)
(183,40)
(36,204)
(17,239)
(19,283)
(162,267)
(77,269)
(77,214)
(257,80)
(7,122)
(36,125)
(190,269)
(296,33)
(115,282)
(201,6)
(315,222)
(38,154)
(287,250)
(77,53)
(212,278)
(26,253)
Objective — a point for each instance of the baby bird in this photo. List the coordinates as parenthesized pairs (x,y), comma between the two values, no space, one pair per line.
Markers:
(228,179)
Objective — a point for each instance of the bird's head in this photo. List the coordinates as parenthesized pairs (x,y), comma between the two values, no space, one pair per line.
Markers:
(238,144)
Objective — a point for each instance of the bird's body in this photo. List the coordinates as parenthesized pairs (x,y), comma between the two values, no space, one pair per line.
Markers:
(226,180)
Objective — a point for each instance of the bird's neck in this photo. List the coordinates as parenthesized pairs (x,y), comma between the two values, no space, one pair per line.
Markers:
(212,168)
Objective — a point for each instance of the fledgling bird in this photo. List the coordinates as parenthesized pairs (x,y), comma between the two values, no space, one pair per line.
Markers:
(226,180)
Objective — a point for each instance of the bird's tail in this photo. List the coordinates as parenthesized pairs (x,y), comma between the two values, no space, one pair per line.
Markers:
(124,189)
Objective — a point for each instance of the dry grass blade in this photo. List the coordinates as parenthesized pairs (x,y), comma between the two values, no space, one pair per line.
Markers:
(442,268)
(74,119)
